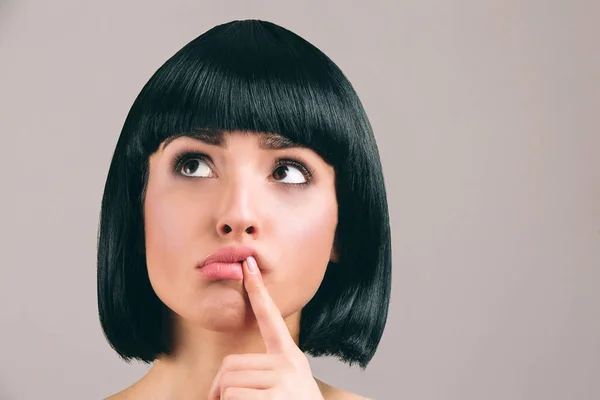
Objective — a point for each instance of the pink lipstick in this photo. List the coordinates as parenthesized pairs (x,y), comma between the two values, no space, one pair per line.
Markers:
(225,263)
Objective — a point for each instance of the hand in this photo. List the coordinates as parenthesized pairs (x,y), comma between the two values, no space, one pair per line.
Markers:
(283,373)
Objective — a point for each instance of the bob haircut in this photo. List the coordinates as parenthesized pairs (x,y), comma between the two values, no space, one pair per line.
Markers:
(255,76)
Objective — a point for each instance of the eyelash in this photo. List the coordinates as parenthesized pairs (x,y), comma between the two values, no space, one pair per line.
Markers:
(185,156)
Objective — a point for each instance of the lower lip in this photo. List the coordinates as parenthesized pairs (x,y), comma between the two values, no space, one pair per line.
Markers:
(216,271)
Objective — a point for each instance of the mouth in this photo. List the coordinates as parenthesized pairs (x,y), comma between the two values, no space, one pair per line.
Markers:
(228,255)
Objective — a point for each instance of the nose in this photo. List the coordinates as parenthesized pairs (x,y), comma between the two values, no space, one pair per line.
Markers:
(237,218)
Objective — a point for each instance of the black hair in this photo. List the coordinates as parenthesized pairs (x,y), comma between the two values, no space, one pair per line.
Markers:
(251,75)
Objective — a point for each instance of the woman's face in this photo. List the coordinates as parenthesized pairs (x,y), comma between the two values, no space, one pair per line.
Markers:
(241,192)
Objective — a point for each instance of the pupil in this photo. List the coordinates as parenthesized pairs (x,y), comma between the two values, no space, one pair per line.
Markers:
(187,170)
(281,168)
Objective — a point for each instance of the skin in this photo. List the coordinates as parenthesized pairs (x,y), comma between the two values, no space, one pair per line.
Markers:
(238,197)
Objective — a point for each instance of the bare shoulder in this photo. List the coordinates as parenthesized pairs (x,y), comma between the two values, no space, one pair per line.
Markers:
(339,394)
(332,393)
(116,396)
(349,396)
(122,395)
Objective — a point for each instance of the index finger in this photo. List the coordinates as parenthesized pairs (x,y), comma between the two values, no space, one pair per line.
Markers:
(272,327)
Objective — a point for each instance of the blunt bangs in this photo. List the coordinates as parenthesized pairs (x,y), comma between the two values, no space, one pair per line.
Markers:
(251,76)
(247,76)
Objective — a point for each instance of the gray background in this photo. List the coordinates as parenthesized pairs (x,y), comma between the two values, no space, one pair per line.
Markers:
(487,118)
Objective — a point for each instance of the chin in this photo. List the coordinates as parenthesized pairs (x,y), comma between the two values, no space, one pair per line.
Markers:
(223,324)
(222,312)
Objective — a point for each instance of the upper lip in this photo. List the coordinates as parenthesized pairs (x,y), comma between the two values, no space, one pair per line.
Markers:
(229,254)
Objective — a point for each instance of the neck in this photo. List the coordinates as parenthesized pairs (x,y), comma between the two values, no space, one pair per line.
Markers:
(188,372)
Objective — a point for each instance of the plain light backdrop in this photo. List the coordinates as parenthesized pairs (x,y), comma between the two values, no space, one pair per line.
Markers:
(487,118)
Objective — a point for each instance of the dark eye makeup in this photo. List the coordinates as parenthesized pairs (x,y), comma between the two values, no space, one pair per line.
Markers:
(184,156)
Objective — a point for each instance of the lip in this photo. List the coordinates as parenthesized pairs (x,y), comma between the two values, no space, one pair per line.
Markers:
(228,255)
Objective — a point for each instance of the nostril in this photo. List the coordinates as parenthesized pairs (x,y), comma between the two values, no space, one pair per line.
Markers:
(228,229)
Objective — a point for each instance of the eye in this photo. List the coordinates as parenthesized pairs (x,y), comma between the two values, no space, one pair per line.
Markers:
(295,172)
(192,164)
(195,167)
(288,171)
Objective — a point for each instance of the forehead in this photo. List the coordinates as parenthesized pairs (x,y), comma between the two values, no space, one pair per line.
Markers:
(266,141)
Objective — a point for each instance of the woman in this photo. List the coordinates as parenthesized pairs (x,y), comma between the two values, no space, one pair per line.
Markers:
(247,148)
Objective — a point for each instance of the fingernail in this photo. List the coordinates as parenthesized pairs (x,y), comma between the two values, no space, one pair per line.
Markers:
(252,266)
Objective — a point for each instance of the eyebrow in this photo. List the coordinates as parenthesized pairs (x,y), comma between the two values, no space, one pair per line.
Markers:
(266,141)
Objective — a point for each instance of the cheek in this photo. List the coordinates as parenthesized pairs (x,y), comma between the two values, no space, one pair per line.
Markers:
(165,229)
(167,237)
(307,240)
(312,229)
(312,236)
